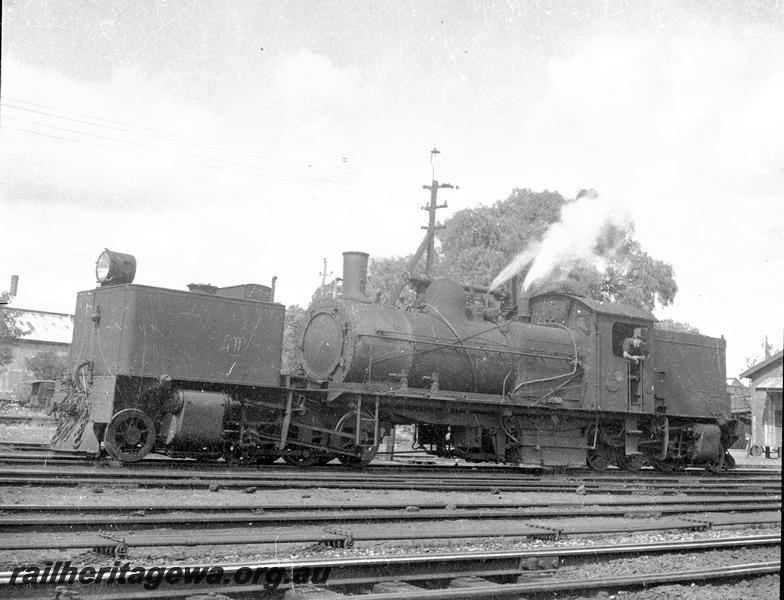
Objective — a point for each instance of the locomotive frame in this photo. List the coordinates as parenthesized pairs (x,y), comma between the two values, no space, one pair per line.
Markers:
(197,374)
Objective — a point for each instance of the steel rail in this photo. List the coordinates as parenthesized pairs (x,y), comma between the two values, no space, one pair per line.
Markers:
(20,449)
(56,459)
(27,419)
(412,483)
(249,519)
(443,566)
(97,471)
(634,581)
(546,530)
(275,508)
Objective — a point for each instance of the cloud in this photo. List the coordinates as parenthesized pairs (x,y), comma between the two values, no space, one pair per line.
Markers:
(124,144)
(658,112)
(311,80)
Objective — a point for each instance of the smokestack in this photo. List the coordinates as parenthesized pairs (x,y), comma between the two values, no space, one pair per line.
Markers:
(14,285)
(355,275)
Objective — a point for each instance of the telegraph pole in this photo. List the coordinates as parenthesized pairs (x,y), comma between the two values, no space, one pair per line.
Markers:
(431,209)
(324,276)
(428,244)
(431,225)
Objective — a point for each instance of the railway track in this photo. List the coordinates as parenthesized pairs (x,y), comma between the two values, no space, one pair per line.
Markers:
(146,507)
(309,528)
(453,575)
(90,520)
(33,454)
(27,419)
(590,483)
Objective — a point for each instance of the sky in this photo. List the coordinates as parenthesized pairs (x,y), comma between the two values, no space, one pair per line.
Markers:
(228,143)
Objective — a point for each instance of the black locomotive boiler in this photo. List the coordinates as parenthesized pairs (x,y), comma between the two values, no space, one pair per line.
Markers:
(541,381)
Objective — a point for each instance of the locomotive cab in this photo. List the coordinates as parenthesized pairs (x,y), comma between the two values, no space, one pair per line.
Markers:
(659,399)
(602,328)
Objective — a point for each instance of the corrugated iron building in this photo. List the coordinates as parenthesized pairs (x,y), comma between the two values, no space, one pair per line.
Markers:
(42,331)
(766,392)
(740,406)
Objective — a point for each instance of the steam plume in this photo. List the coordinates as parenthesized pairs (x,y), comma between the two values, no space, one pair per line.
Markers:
(589,232)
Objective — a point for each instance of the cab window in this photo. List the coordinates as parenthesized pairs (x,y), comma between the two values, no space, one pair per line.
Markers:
(622,331)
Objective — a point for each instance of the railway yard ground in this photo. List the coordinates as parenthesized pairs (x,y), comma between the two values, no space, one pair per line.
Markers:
(411,528)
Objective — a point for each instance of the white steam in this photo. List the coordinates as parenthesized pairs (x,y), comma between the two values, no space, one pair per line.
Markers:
(587,233)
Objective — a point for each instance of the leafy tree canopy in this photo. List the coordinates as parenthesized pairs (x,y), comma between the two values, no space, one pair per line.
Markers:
(670,325)
(9,330)
(768,350)
(292,329)
(478,243)
(47,365)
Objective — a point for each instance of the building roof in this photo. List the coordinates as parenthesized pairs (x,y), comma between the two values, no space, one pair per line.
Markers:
(765,363)
(770,383)
(41,326)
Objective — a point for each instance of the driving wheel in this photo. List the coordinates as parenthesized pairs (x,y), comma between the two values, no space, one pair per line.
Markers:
(634,462)
(130,435)
(367,451)
(597,460)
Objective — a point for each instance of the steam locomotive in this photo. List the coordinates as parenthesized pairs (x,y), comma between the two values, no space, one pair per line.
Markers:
(536,381)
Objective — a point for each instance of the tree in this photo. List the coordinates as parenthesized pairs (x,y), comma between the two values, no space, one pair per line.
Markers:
(47,365)
(9,329)
(292,330)
(385,275)
(768,350)
(326,292)
(634,277)
(478,242)
(670,325)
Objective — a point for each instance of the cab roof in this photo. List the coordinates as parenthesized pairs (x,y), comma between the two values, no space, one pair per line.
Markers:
(604,308)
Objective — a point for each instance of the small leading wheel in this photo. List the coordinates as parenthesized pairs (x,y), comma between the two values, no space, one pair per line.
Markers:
(632,463)
(130,435)
(303,456)
(597,460)
(367,451)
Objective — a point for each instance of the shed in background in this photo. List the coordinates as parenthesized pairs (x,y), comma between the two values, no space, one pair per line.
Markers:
(765,403)
(42,331)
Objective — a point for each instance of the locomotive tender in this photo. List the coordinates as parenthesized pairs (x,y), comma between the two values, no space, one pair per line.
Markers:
(197,374)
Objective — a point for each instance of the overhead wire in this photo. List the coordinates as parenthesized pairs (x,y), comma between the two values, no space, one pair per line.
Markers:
(130,127)
(169,153)
(87,119)
(246,168)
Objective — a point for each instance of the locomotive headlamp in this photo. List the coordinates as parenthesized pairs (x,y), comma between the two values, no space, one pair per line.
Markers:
(115,268)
